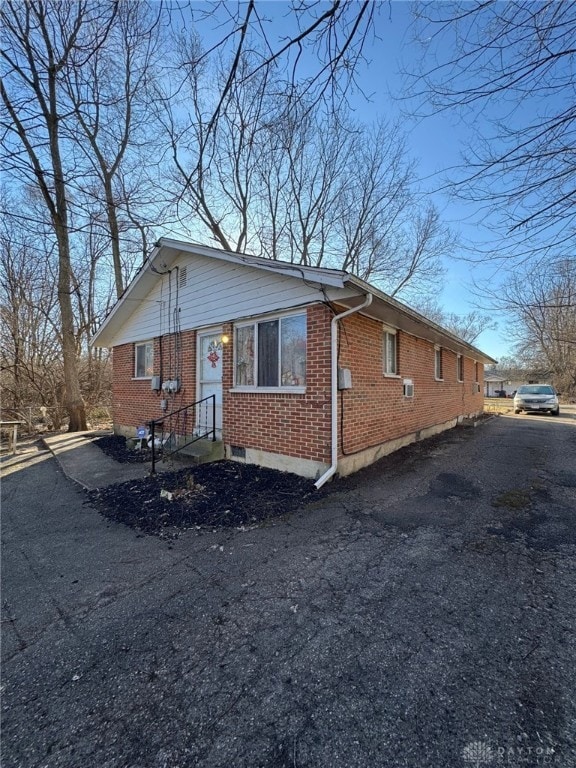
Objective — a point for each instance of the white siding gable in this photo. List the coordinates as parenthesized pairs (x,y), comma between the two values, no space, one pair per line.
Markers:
(215,292)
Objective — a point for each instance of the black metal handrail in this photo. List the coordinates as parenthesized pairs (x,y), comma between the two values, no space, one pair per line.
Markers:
(168,417)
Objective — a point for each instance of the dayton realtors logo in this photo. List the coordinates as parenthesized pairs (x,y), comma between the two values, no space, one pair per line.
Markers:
(478,754)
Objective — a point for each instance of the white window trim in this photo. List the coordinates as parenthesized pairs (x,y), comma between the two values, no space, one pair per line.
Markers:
(141,344)
(460,360)
(438,348)
(269,390)
(392,332)
(254,388)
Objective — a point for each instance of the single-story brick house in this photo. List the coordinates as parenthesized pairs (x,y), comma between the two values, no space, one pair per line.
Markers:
(314,371)
(496,383)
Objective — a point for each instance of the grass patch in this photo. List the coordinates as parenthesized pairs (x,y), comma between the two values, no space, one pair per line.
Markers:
(498,405)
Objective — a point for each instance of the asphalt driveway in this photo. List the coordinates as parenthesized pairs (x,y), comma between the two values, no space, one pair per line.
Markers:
(421,617)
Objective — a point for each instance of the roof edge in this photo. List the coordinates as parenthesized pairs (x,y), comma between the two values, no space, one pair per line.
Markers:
(418,317)
(330,278)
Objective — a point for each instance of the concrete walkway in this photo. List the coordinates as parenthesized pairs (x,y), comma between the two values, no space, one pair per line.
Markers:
(86,464)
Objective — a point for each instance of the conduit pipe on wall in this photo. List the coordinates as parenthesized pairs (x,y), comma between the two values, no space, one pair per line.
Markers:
(334,388)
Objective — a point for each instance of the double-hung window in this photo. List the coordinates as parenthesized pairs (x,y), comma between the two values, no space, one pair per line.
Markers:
(271,353)
(460,368)
(390,353)
(438,373)
(144,360)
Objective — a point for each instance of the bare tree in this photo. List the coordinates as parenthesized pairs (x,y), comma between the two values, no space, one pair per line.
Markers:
(31,373)
(41,40)
(109,96)
(544,319)
(468,326)
(319,57)
(309,186)
(509,69)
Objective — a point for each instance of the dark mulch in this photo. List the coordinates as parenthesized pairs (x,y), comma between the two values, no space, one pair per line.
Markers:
(115,446)
(230,494)
(220,494)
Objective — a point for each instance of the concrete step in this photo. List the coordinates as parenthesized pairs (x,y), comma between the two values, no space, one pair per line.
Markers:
(200,452)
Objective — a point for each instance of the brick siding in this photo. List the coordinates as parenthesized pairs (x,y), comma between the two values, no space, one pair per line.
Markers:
(372,412)
(296,425)
(133,402)
(375,410)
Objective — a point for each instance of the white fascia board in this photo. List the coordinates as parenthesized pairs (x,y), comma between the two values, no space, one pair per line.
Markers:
(140,286)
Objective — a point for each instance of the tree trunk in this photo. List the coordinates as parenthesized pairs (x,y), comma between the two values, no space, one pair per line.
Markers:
(114,234)
(73,396)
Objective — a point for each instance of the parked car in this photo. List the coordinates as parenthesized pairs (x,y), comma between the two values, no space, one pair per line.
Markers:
(536,397)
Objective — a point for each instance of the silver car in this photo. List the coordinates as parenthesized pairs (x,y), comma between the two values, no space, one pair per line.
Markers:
(536,397)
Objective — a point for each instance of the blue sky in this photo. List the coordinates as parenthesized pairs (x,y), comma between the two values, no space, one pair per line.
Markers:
(435,142)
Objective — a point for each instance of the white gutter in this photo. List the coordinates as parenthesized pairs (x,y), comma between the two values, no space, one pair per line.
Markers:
(334,387)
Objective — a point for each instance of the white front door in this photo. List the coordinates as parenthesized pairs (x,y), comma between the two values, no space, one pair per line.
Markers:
(209,377)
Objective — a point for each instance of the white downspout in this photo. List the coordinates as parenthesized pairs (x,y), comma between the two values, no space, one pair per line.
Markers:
(334,388)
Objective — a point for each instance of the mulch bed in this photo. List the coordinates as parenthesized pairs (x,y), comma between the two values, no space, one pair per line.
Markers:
(115,446)
(230,494)
(223,494)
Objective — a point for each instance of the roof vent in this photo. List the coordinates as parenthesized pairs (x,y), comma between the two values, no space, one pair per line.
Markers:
(182,277)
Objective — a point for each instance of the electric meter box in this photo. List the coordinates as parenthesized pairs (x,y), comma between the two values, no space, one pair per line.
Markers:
(344,378)
(171,386)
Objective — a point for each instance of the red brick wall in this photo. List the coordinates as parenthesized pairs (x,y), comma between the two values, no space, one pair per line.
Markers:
(296,425)
(133,402)
(375,410)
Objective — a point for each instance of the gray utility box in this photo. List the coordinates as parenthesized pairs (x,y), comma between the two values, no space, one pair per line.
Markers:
(344,378)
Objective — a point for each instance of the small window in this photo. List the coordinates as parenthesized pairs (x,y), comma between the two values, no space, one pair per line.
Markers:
(476,372)
(390,353)
(438,374)
(144,360)
(460,368)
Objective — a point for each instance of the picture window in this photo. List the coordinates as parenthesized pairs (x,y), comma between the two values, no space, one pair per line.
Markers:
(271,353)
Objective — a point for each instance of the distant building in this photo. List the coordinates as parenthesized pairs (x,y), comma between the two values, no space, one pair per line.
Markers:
(497,382)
